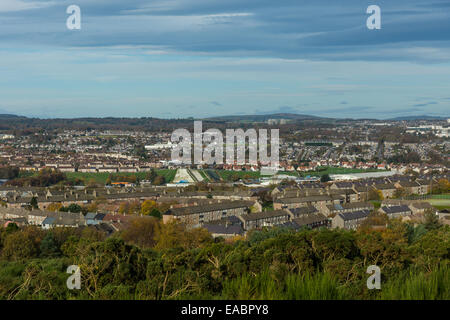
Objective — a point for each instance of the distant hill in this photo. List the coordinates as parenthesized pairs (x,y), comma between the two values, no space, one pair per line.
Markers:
(422,117)
(265,117)
(10,116)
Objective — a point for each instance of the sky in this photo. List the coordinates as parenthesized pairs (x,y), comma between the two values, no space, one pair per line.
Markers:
(200,58)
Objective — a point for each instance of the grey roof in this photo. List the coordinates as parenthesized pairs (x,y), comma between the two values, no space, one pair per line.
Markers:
(304,199)
(396,209)
(409,184)
(223,228)
(49,220)
(349,206)
(385,186)
(290,224)
(355,215)
(90,215)
(308,219)
(264,215)
(99,216)
(422,205)
(211,207)
(343,185)
(303,210)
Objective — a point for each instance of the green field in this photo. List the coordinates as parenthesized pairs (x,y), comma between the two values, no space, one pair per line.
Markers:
(333,170)
(204,175)
(440,204)
(444,196)
(100,177)
(228,174)
(225,175)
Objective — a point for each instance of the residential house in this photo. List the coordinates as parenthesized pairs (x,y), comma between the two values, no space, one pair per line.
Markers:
(264,219)
(350,220)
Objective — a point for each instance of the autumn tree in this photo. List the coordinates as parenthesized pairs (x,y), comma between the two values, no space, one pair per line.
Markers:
(400,193)
(147,206)
(141,232)
(375,194)
(19,245)
(54,206)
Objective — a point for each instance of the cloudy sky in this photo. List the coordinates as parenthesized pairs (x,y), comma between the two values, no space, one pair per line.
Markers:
(180,58)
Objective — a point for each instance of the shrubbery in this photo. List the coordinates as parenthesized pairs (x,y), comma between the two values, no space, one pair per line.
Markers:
(151,260)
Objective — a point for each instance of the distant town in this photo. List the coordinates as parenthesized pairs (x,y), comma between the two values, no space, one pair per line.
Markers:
(332,174)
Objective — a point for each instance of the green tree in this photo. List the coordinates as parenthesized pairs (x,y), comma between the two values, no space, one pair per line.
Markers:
(49,247)
(431,220)
(34,203)
(155,213)
(19,245)
(12,227)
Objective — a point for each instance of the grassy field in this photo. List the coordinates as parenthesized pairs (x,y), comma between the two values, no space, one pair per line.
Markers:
(444,196)
(440,204)
(228,174)
(204,175)
(225,175)
(100,177)
(332,170)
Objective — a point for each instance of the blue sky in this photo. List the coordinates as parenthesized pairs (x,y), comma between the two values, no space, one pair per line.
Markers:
(181,58)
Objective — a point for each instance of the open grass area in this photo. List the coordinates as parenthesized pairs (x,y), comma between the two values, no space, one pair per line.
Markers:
(100,177)
(440,204)
(441,196)
(228,175)
(204,175)
(208,175)
(333,170)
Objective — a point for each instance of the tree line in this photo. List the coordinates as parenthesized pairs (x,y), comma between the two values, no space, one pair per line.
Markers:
(152,260)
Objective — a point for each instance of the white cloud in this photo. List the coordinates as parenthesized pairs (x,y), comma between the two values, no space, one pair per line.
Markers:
(20,5)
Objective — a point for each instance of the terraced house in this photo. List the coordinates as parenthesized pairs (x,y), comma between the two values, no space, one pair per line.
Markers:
(350,220)
(320,202)
(264,219)
(334,209)
(396,211)
(196,216)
